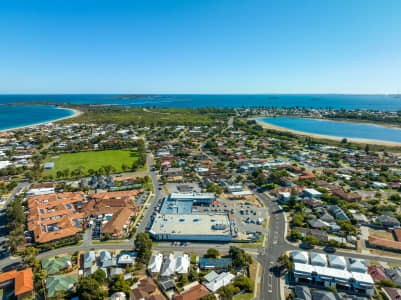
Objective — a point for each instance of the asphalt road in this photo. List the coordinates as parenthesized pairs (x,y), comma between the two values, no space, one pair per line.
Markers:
(3,220)
(276,245)
(153,201)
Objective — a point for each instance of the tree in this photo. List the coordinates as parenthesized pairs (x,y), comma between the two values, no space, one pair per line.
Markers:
(16,239)
(285,262)
(118,284)
(212,253)
(227,292)
(66,172)
(143,247)
(29,256)
(293,199)
(311,240)
(15,214)
(99,276)
(109,169)
(89,289)
(244,284)
(387,283)
(239,257)
(395,198)
(347,227)
(182,280)
(298,220)
(295,235)
(283,259)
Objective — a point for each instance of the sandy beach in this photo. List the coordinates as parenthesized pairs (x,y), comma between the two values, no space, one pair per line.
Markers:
(76,114)
(338,139)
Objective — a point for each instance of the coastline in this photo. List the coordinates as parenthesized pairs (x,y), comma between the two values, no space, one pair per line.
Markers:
(367,122)
(318,136)
(76,113)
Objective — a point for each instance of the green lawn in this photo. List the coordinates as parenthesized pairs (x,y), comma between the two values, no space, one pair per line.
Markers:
(245,296)
(106,242)
(92,160)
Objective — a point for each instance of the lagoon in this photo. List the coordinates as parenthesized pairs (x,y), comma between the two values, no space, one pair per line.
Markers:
(337,129)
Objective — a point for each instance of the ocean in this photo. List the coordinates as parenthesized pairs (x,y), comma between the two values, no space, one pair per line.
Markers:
(374,102)
(15,116)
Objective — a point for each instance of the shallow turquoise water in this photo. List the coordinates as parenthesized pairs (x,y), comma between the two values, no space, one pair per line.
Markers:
(16,116)
(338,129)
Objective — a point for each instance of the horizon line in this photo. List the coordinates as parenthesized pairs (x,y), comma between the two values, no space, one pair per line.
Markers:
(217,94)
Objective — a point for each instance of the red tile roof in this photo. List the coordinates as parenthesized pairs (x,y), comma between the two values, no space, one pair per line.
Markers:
(377,273)
(22,280)
(55,210)
(348,197)
(116,223)
(195,293)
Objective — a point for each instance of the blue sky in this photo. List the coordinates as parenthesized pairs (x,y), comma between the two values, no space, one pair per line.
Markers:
(293,46)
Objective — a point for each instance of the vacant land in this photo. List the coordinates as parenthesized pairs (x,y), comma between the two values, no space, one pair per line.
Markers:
(381,234)
(150,116)
(93,161)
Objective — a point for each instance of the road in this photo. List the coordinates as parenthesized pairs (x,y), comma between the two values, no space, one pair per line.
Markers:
(267,256)
(3,219)
(153,201)
(276,245)
(87,237)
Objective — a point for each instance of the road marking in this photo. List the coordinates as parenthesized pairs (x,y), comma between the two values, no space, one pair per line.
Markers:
(270,283)
(275,240)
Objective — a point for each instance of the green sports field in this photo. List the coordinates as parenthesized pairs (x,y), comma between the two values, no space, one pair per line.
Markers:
(92,160)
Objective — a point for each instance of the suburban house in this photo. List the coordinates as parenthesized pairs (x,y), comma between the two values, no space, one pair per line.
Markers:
(146,289)
(197,292)
(346,196)
(215,263)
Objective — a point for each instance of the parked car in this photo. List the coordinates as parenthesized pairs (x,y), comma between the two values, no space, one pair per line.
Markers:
(306,246)
(329,249)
